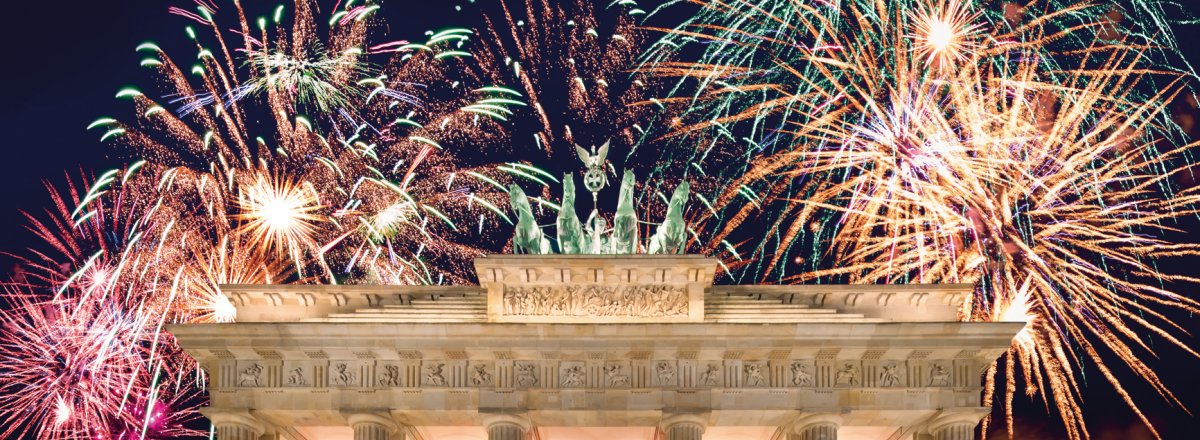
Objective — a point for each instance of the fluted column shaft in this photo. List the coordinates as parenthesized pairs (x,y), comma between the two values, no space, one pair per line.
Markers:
(817,431)
(683,426)
(956,424)
(685,431)
(505,431)
(818,426)
(374,426)
(506,426)
(372,431)
(235,425)
(955,431)
(235,432)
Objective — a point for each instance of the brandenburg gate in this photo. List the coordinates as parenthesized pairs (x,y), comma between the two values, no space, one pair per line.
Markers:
(610,338)
(607,347)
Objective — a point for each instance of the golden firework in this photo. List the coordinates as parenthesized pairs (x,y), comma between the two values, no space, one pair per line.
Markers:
(279,213)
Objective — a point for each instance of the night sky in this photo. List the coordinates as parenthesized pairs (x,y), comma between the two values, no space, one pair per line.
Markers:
(64,62)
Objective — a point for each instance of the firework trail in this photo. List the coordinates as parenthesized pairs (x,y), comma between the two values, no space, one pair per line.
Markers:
(63,364)
(280,156)
(572,60)
(577,64)
(298,147)
(1024,149)
(355,126)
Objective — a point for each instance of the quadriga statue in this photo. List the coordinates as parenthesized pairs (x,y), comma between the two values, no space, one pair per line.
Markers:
(594,237)
(570,231)
(625,223)
(672,233)
(528,238)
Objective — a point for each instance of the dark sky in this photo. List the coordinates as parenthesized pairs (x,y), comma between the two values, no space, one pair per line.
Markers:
(64,62)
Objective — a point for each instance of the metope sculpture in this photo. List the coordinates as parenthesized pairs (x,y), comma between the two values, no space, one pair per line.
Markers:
(593,235)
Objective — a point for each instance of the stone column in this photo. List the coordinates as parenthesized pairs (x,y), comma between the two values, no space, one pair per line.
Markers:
(368,426)
(816,427)
(235,425)
(683,426)
(955,425)
(955,431)
(506,426)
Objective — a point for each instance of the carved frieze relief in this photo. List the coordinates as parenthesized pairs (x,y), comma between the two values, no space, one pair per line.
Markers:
(939,375)
(433,374)
(889,375)
(343,374)
(754,374)
(847,375)
(526,375)
(572,375)
(802,374)
(297,376)
(481,374)
(388,376)
(664,373)
(251,376)
(710,374)
(585,300)
(616,376)
(597,373)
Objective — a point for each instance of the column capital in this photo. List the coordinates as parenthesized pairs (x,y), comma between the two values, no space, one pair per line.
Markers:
(235,418)
(381,419)
(806,420)
(696,419)
(519,420)
(951,417)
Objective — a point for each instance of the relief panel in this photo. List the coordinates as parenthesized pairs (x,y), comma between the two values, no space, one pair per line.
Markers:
(890,374)
(526,375)
(482,374)
(754,374)
(617,375)
(389,375)
(666,373)
(348,374)
(298,374)
(710,374)
(596,300)
(250,374)
(572,374)
(802,373)
(847,373)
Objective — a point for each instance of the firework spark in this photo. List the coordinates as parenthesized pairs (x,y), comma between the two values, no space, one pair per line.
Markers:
(303,149)
(943,32)
(62,364)
(950,143)
(1030,156)
(279,213)
(265,162)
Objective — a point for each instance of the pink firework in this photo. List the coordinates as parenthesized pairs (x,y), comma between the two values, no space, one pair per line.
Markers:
(67,370)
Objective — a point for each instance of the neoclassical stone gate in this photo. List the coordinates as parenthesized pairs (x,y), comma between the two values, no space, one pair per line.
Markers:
(574,346)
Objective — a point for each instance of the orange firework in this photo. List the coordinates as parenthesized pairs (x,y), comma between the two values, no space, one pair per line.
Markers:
(278,213)
(1026,154)
(944,32)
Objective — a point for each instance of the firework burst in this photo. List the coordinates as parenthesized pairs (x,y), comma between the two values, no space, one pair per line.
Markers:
(63,364)
(278,213)
(1028,155)
(944,32)
(267,158)
(301,148)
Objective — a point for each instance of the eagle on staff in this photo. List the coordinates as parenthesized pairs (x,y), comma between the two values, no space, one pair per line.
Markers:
(594,179)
